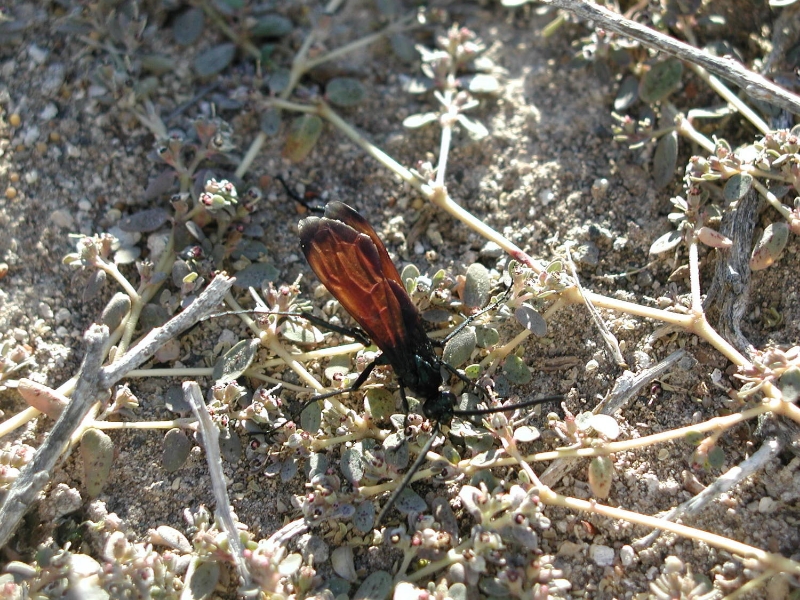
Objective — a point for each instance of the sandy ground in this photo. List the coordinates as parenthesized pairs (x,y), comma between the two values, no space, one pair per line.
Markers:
(78,159)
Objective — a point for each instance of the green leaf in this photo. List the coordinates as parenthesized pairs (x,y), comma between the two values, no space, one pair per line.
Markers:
(419,120)
(214,60)
(516,370)
(789,384)
(235,361)
(476,286)
(627,94)
(459,348)
(737,186)
(601,475)
(144,221)
(665,160)
(483,84)
(396,450)
(666,242)
(97,452)
(486,337)
(303,135)
(364,517)
(531,320)
(410,271)
(204,580)
(175,450)
(716,457)
(380,403)
(115,310)
(345,92)
(769,248)
(352,465)
(475,130)
(271,26)
(377,586)
(661,80)
(255,275)
(188,26)
(301,333)
(311,418)
(270,121)
(410,502)
(404,47)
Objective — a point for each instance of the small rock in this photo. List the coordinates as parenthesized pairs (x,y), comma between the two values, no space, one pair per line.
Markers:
(36,54)
(767,505)
(491,250)
(603,556)
(586,253)
(53,79)
(568,549)
(644,279)
(8,69)
(48,112)
(627,555)
(62,219)
(619,243)
(45,311)
(73,151)
(546,197)
(30,137)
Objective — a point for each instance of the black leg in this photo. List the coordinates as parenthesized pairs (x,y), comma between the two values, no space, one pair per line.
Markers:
(299,199)
(496,409)
(471,318)
(409,475)
(358,383)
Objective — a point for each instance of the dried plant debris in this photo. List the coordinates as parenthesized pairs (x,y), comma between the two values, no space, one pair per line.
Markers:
(546,189)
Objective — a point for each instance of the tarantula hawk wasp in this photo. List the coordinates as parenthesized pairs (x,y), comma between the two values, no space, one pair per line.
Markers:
(351,261)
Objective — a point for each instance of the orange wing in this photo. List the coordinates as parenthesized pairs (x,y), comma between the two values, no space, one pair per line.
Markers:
(351,261)
(339,211)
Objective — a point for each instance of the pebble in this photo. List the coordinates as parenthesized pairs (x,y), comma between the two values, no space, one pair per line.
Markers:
(620,243)
(603,556)
(30,136)
(767,505)
(546,197)
(627,555)
(36,54)
(45,311)
(644,279)
(586,253)
(7,70)
(48,112)
(53,79)
(73,151)
(62,219)
(568,549)
(491,250)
